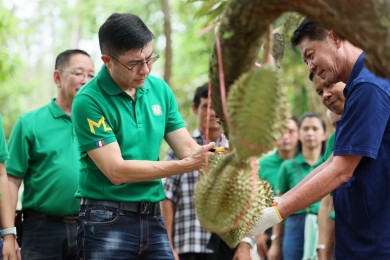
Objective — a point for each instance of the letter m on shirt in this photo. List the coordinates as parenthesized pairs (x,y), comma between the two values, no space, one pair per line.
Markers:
(93,124)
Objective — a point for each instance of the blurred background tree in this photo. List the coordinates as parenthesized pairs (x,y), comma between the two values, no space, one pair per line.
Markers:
(32,33)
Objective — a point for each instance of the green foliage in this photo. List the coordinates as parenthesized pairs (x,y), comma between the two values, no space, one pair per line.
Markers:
(10,77)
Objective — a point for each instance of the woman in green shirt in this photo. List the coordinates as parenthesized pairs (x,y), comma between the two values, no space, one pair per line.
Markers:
(311,148)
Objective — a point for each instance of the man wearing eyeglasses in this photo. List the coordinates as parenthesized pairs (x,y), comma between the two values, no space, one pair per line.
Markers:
(121,117)
(44,155)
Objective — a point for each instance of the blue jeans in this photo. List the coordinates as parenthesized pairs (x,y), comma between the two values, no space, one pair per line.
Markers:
(293,237)
(48,240)
(110,233)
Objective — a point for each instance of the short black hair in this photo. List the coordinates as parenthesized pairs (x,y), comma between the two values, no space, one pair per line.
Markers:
(63,58)
(308,29)
(200,92)
(123,32)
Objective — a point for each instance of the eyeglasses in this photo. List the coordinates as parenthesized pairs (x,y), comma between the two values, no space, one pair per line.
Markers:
(79,73)
(138,65)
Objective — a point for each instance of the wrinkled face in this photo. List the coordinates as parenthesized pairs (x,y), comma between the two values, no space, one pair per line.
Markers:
(201,113)
(311,133)
(289,140)
(332,96)
(71,78)
(137,60)
(321,58)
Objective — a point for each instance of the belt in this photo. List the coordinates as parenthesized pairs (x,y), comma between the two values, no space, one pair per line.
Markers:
(72,219)
(144,208)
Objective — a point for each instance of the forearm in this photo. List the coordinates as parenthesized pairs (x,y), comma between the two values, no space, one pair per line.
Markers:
(138,171)
(7,215)
(118,170)
(14,186)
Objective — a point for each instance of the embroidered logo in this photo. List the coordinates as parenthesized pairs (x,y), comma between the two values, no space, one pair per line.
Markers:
(93,124)
(157,110)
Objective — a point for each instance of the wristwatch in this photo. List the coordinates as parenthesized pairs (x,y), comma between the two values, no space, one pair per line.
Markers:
(8,231)
(274,237)
(251,241)
(320,246)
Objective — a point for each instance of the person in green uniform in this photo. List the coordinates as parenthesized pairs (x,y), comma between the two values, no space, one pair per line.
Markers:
(311,148)
(44,155)
(286,148)
(120,118)
(8,242)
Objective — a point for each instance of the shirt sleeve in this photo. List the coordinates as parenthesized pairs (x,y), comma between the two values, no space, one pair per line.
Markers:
(174,119)
(172,183)
(19,145)
(91,126)
(361,128)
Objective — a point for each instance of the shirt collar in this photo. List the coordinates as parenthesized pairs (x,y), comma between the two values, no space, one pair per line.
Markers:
(355,72)
(55,110)
(111,88)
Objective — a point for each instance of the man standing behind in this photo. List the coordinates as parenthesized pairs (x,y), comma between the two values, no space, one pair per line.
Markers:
(44,155)
(189,239)
(120,119)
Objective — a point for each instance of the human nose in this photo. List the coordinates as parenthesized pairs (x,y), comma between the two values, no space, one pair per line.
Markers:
(143,68)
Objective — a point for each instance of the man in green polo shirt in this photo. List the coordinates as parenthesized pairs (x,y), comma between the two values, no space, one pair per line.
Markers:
(44,155)
(120,119)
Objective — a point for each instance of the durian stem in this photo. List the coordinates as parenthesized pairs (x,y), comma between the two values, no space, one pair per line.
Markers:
(267,45)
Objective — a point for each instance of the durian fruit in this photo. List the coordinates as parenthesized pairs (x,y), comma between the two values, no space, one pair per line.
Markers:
(229,198)
(258,111)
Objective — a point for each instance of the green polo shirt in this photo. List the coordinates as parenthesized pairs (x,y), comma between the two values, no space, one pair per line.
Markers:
(329,146)
(327,154)
(291,173)
(3,147)
(269,168)
(44,153)
(103,113)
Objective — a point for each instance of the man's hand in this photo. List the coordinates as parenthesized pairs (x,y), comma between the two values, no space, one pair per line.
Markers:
(198,157)
(270,217)
(275,252)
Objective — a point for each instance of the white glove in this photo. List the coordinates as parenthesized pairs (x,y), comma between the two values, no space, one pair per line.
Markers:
(270,217)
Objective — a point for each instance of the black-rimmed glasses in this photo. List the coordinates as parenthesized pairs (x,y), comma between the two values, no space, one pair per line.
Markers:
(138,65)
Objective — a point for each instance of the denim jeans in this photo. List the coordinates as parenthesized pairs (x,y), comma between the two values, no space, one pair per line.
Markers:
(48,240)
(293,237)
(110,233)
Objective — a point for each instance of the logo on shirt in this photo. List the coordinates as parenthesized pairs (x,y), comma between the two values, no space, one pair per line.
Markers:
(157,110)
(100,143)
(93,124)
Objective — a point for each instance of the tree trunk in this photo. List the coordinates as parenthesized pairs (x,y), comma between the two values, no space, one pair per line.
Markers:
(168,40)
